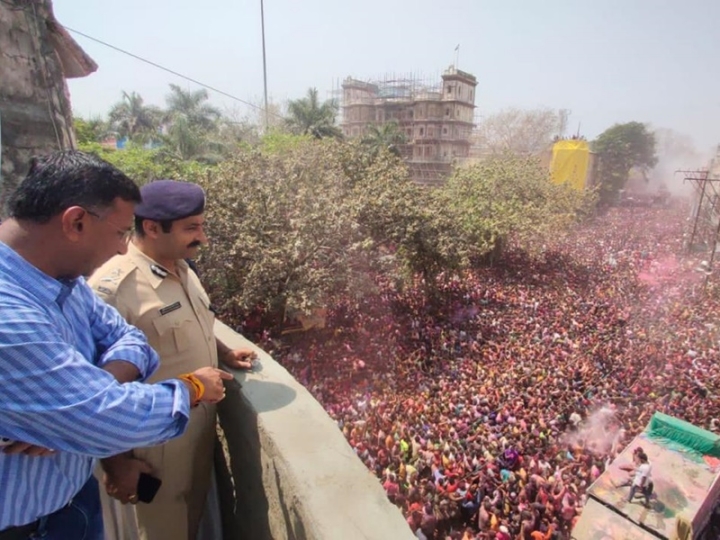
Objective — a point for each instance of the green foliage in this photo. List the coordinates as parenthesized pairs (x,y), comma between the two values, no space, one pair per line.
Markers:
(508,197)
(293,228)
(279,142)
(406,229)
(384,137)
(621,148)
(307,116)
(89,130)
(281,232)
(144,165)
(192,106)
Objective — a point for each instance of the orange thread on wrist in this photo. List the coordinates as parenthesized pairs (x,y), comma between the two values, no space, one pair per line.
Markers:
(197,385)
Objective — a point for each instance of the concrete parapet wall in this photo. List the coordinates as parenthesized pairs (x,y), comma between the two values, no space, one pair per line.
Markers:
(289,472)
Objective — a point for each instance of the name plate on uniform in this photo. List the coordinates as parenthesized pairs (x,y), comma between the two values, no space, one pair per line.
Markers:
(170,308)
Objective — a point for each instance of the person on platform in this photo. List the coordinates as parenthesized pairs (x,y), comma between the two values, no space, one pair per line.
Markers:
(642,480)
(154,289)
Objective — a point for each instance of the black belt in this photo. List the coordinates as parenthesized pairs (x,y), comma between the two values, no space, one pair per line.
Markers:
(22,532)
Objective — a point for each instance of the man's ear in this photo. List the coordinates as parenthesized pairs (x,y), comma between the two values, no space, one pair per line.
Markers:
(73,222)
(151,228)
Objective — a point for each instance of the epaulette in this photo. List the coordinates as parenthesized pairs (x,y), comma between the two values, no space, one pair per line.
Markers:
(107,283)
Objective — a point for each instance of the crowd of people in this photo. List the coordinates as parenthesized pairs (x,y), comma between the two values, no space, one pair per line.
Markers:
(487,409)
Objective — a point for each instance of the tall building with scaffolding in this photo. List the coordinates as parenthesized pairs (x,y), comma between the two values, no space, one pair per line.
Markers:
(436,118)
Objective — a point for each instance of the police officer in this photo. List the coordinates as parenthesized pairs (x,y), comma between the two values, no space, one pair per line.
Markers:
(153,289)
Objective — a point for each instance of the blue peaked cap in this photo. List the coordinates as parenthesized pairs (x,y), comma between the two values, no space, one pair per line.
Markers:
(168,200)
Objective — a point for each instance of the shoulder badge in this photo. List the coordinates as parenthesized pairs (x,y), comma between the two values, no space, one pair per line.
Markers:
(114,276)
(106,284)
(159,271)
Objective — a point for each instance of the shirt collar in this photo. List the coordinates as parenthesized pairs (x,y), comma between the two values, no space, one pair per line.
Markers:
(145,264)
(46,288)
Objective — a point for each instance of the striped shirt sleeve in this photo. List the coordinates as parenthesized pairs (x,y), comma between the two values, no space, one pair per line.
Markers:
(116,339)
(54,397)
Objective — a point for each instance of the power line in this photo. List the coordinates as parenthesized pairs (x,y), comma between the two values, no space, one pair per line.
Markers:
(14,7)
(154,64)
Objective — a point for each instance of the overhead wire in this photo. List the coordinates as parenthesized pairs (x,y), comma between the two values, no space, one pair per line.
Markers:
(168,70)
(14,7)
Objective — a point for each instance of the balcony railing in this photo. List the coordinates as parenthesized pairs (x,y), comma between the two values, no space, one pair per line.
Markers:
(287,471)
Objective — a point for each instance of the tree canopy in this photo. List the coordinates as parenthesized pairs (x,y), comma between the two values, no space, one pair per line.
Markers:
(294,228)
(145,165)
(192,126)
(307,116)
(387,136)
(289,229)
(90,130)
(131,118)
(299,218)
(193,106)
(621,148)
(509,197)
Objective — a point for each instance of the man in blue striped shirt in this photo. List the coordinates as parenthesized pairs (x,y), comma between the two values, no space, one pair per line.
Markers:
(65,354)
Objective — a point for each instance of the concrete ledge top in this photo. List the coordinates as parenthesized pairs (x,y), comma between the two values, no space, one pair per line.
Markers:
(340,497)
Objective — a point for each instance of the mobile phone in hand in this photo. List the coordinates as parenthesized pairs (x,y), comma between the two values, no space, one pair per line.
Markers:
(147,488)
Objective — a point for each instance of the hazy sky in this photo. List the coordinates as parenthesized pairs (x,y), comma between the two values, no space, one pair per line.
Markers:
(608,61)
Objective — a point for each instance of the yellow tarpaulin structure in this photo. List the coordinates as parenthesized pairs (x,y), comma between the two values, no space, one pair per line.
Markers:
(570,163)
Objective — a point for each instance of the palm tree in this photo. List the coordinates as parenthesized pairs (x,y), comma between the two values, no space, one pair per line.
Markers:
(192,126)
(307,116)
(193,106)
(188,142)
(385,136)
(133,119)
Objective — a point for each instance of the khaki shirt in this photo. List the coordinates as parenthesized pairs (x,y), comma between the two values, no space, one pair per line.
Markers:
(173,311)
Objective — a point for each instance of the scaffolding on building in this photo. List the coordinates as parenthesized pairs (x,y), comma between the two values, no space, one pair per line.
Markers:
(395,86)
(435,114)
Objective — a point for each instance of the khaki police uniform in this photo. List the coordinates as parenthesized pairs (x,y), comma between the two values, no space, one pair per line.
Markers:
(173,311)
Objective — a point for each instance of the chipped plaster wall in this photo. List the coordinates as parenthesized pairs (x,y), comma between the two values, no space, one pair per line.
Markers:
(35,113)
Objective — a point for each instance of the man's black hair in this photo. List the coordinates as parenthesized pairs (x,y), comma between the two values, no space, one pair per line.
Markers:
(61,180)
(165,225)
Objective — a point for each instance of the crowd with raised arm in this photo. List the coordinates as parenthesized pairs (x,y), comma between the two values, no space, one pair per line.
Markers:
(487,410)
(486,403)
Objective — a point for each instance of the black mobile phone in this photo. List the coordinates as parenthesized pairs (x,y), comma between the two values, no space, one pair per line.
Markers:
(147,487)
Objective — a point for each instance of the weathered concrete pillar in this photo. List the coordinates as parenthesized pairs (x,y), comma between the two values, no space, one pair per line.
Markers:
(36,56)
